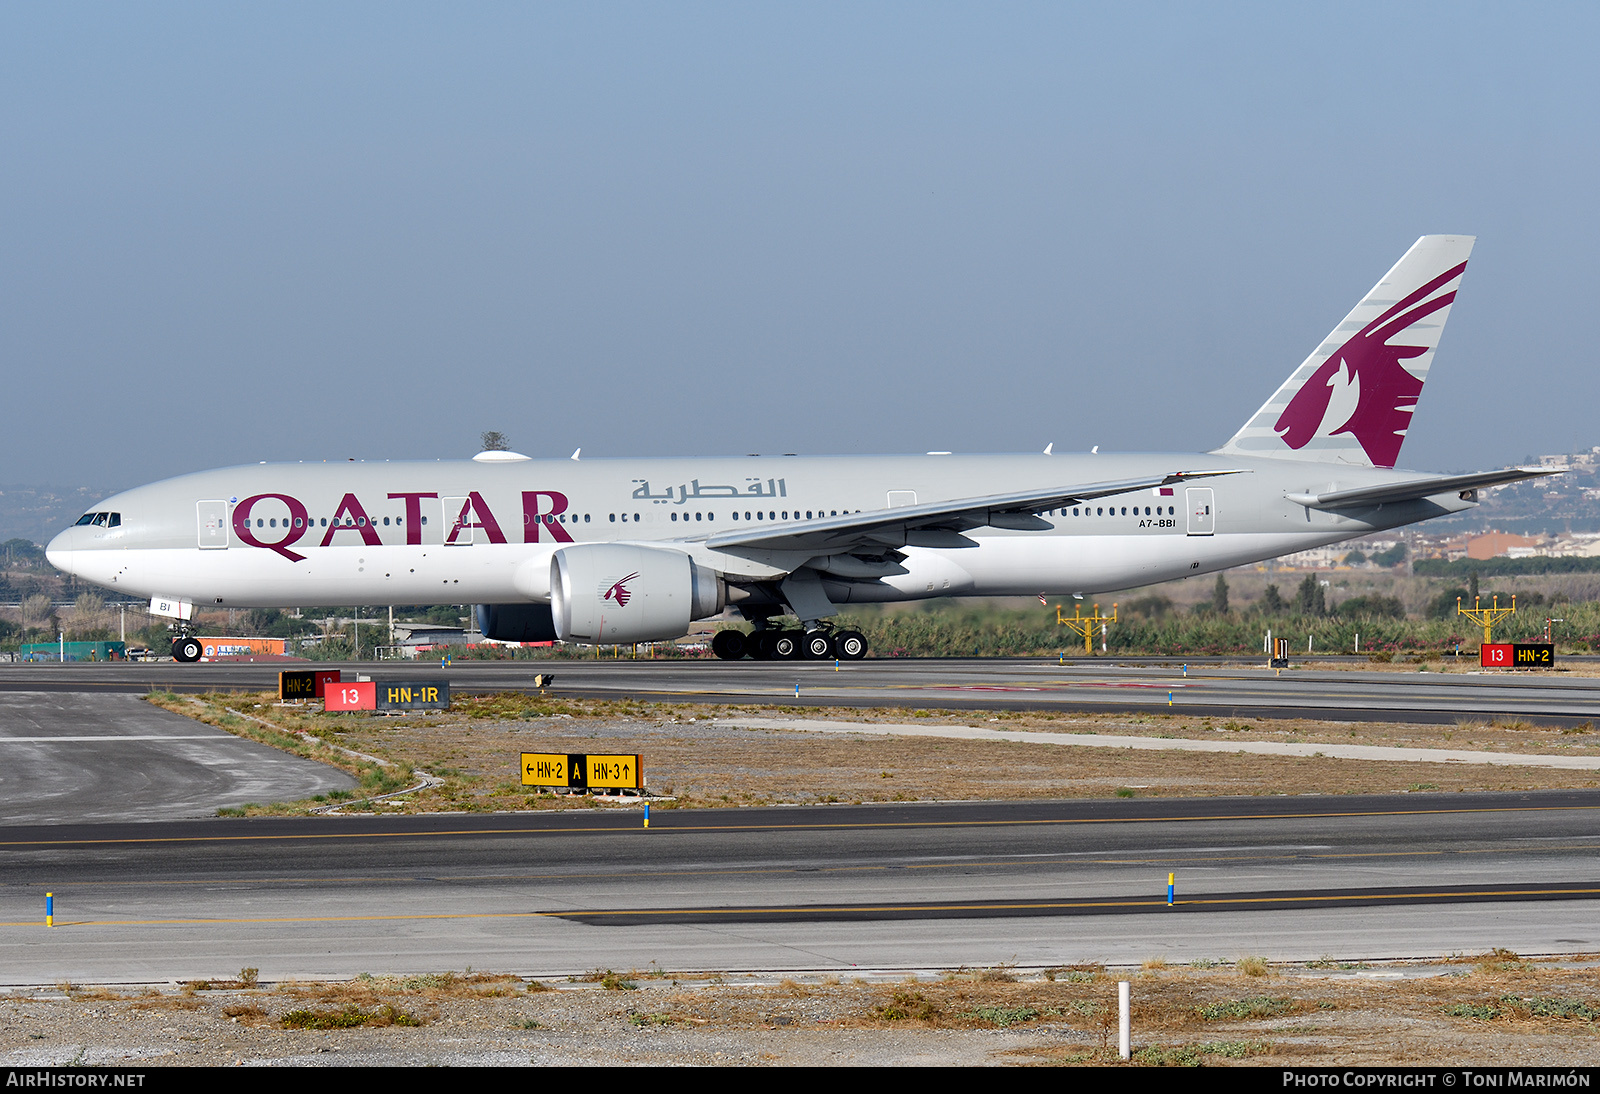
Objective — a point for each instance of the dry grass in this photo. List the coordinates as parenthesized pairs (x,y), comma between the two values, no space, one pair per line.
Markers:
(1494,1008)
(473,749)
(1254,966)
(1181,1015)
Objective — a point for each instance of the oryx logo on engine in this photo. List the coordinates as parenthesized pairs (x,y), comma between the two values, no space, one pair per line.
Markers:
(619,591)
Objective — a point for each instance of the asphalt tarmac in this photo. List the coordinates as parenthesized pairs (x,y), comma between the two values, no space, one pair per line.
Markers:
(67,757)
(1219,690)
(864,888)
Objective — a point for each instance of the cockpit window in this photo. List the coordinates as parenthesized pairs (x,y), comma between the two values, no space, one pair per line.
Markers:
(100,520)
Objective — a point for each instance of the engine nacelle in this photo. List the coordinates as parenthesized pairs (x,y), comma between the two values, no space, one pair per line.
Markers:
(516,622)
(615,592)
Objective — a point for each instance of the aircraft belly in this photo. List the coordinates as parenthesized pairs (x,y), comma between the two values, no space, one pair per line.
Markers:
(1028,565)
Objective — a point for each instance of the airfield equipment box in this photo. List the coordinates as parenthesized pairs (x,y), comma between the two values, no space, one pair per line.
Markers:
(73,651)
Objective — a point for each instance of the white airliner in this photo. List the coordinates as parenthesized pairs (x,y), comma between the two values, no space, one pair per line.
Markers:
(634,550)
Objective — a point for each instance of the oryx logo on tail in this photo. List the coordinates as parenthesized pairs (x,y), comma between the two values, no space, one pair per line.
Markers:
(1378,393)
(1351,401)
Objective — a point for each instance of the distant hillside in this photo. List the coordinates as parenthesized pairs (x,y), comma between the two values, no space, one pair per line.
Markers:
(1559,503)
(38,512)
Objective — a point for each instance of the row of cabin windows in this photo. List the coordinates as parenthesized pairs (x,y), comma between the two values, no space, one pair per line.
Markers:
(349,522)
(114,520)
(361,522)
(1100,511)
(758,515)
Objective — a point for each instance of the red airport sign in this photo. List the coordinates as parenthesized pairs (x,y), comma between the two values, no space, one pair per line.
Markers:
(1517,655)
(358,695)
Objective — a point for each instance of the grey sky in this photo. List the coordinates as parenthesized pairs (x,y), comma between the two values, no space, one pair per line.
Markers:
(259,232)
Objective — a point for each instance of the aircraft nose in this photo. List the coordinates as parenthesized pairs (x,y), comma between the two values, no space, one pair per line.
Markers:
(59,550)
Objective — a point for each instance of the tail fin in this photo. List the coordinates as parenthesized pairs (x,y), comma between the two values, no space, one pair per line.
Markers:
(1351,401)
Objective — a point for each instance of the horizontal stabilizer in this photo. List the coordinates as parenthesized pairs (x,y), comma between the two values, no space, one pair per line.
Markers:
(1417,488)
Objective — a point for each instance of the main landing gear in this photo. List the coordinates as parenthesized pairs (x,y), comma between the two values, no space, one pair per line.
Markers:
(783,645)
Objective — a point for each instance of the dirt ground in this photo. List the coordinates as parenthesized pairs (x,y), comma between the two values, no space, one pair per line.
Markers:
(694,759)
(1491,1010)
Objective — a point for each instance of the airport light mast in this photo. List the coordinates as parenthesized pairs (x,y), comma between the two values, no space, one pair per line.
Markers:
(1086,625)
(1487,617)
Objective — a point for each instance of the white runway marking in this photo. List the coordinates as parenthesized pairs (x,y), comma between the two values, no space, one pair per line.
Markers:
(1104,740)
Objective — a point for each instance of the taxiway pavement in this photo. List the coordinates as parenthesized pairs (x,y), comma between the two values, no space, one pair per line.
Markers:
(954,684)
(837,888)
(69,757)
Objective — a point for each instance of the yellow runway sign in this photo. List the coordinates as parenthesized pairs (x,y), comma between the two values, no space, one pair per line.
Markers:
(581,772)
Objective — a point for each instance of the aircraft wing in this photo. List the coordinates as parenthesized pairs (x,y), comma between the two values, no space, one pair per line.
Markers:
(936,524)
(1418,488)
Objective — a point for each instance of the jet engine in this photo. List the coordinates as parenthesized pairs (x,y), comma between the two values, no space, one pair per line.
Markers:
(615,592)
(516,622)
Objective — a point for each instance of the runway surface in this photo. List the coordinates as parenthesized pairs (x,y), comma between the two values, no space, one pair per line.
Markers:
(986,684)
(840,888)
(68,757)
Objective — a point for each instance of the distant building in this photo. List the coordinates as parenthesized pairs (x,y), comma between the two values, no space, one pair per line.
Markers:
(1575,545)
(1495,544)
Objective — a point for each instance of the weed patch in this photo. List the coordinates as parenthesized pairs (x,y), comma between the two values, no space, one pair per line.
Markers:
(904,1005)
(350,1017)
(1260,1006)
(1004,1017)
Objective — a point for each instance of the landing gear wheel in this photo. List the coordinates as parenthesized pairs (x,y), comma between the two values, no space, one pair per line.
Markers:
(187,650)
(785,646)
(818,645)
(765,645)
(852,645)
(729,645)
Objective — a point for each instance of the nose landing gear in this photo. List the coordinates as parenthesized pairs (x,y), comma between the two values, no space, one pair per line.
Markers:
(187,648)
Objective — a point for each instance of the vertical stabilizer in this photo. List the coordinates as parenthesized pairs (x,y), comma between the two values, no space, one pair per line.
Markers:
(1351,401)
